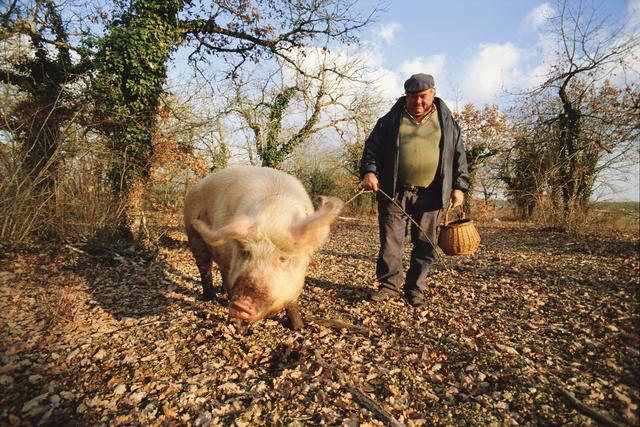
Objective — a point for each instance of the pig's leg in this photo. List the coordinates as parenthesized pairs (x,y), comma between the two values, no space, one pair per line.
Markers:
(293,313)
(226,283)
(204,260)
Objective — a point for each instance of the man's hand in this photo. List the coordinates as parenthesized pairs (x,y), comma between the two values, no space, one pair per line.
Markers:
(370,181)
(457,198)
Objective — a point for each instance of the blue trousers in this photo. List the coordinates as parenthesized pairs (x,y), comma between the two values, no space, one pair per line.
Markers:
(423,205)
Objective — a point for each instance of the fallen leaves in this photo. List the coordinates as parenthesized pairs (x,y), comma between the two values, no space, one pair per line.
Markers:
(507,349)
(131,343)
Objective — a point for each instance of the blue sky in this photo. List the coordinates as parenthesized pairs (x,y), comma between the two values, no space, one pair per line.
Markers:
(476,50)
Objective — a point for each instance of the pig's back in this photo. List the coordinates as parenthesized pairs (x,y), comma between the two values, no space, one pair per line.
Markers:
(241,190)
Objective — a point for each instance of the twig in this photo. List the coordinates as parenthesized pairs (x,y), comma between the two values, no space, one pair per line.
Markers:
(339,324)
(627,318)
(74,249)
(358,396)
(357,195)
(436,249)
(115,256)
(584,409)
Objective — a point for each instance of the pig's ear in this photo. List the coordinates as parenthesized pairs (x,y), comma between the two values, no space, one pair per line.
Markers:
(237,228)
(313,230)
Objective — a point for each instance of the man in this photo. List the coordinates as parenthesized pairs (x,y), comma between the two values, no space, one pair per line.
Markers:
(415,154)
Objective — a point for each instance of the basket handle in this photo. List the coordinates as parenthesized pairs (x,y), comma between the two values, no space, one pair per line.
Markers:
(446,212)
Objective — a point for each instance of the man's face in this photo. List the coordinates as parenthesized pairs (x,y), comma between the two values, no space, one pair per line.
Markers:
(419,103)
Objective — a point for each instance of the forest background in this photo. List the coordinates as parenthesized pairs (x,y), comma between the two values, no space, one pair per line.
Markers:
(96,133)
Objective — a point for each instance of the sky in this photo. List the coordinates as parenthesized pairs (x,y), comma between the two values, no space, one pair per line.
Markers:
(477,50)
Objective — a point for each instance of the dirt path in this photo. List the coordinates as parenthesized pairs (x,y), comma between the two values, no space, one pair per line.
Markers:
(533,313)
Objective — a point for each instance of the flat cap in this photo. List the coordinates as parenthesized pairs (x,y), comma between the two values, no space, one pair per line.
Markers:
(419,82)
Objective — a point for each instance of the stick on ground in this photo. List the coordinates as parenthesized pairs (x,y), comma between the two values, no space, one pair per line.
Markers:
(584,409)
(358,396)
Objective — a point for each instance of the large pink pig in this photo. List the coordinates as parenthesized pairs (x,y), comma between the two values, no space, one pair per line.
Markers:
(258,224)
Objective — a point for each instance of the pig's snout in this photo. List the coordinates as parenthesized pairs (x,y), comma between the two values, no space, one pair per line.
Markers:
(242,309)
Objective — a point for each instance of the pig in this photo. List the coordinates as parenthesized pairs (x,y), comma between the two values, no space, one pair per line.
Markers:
(259,226)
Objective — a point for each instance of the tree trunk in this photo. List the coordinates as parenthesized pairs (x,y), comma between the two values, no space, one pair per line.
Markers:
(569,152)
(132,71)
(134,218)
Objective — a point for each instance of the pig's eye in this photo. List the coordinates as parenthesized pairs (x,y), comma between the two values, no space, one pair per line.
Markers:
(244,253)
(283,260)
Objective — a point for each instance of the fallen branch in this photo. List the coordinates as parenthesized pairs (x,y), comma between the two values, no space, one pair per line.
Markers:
(74,249)
(584,409)
(339,324)
(358,396)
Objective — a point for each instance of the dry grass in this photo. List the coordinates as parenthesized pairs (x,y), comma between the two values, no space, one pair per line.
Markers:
(620,218)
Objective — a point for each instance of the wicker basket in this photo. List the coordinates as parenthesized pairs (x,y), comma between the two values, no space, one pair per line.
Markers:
(458,237)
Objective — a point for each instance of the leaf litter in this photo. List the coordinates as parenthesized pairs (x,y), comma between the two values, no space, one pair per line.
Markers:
(509,337)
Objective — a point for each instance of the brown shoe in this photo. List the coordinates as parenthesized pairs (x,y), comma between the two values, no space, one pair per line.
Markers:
(416,299)
(382,295)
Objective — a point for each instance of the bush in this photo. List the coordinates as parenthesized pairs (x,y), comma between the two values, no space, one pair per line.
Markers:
(337,183)
(21,210)
(75,202)
(319,182)
(74,209)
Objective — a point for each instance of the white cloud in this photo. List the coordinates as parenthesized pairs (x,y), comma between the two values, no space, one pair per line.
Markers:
(386,81)
(365,62)
(539,16)
(493,69)
(388,84)
(433,65)
(526,66)
(388,31)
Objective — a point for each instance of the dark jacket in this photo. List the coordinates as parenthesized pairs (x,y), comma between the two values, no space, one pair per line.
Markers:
(380,154)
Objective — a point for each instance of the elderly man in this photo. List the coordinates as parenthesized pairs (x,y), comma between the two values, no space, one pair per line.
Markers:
(415,155)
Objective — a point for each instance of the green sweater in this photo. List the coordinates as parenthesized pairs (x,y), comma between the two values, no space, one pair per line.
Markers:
(419,150)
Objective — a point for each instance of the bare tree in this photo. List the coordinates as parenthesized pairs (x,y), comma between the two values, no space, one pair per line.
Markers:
(287,107)
(132,63)
(245,30)
(593,121)
(48,71)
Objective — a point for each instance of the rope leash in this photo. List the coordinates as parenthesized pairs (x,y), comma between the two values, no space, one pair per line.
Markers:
(438,252)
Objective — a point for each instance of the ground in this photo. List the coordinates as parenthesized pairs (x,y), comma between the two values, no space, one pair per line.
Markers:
(509,336)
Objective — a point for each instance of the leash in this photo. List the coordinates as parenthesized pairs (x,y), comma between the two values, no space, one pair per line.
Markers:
(440,255)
